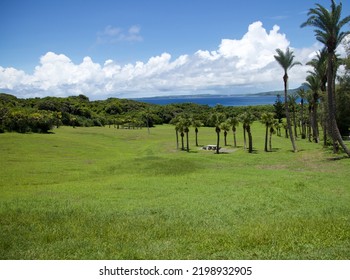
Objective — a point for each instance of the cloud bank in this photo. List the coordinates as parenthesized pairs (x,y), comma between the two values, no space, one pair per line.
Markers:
(237,66)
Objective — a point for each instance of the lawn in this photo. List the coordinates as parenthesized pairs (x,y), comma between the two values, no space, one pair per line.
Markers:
(104,193)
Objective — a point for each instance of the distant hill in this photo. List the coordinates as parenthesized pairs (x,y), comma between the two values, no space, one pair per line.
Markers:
(191,96)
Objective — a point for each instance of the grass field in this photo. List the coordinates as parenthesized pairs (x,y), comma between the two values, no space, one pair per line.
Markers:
(103,193)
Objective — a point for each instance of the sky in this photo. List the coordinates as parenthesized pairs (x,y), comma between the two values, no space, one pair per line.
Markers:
(139,48)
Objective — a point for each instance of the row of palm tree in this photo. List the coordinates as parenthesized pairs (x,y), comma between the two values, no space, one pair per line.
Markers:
(221,123)
(328,26)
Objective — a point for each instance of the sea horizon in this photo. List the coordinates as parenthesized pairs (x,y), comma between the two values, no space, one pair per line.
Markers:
(213,100)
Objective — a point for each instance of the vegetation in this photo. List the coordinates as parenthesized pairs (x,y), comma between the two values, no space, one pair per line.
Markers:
(104,193)
(286,60)
(329,24)
(108,189)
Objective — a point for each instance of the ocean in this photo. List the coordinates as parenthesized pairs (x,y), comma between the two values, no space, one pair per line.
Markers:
(213,100)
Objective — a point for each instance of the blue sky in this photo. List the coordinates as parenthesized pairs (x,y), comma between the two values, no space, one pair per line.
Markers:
(143,48)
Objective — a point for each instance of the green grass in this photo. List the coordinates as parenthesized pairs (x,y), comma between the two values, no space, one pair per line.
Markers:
(103,193)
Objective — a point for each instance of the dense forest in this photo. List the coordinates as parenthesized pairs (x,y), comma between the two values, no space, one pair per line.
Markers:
(42,114)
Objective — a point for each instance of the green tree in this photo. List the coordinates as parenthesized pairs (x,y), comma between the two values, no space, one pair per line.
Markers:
(286,61)
(292,102)
(225,126)
(314,84)
(234,122)
(328,26)
(267,119)
(247,118)
(319,65)
(217,119)
(302,94)
(196,124)
(279,108)
(273,128)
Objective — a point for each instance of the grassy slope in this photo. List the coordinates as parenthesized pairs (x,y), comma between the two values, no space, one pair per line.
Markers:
(102,193)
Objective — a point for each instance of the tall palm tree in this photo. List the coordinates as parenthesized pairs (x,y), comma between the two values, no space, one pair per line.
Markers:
(217,119)
(225,126)
(286,61)
(314,84)
(292,99)
(196,124)
(234,122)
(328,25)
(273,127)
(319,65)
(247,119)
(302,94)
(186,121)
(267,119)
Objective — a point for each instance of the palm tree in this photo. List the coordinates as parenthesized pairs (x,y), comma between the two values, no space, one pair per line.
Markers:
(319,65)
(309,98)
(217,119)
(314,84)
(273,127)
(286,60)
(292,99)
(328,25)
(247,119)
(267,119)
(302,94)
(196,124)
(234,122)
(186,122)
(225,126)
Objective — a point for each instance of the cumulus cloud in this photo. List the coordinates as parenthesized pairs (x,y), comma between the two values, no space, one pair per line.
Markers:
(244,65)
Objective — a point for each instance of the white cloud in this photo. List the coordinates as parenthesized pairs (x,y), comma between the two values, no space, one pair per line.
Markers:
(243,65)
(113,35)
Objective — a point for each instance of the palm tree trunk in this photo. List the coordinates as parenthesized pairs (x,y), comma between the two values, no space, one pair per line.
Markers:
(335,133)
(285,79)
(177,139)
(303,128)
(266,135)
(187,142)
(217,140)
(314,123)
(182,141)
(295,123)
(250,139)
(234,137)
(244,137)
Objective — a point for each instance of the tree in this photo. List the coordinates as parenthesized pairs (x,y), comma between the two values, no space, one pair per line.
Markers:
(302,94)
(286,61)
(267,119)
(279,108)
(273,127)
(225,126)
(328,25)
(234,122)
(292,100)
(247,118)
(217,119)
(196,124)
(343,96)
(314,85)
(319,71)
